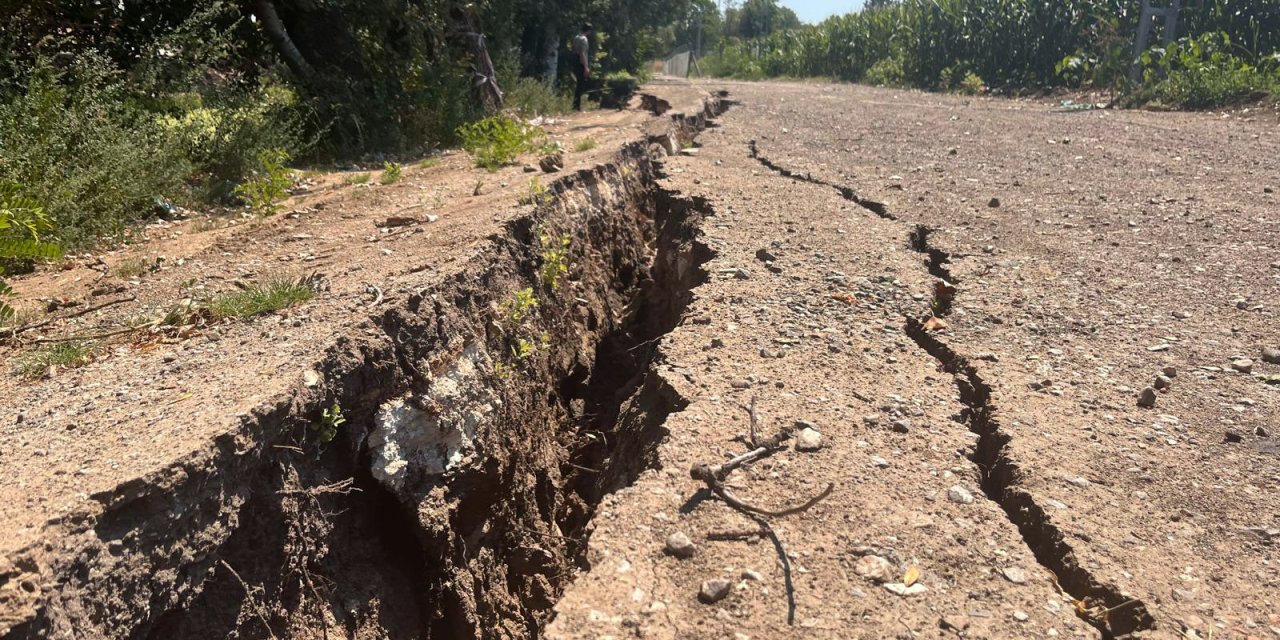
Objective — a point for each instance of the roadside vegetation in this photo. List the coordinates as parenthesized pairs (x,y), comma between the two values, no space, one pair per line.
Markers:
(114,114)
(1229,52)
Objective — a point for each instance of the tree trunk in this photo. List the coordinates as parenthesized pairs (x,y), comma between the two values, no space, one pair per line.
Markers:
(265,10)
(486,78)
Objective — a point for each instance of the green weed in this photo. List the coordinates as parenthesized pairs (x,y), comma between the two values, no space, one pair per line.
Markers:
(269,184)
(358,178)
(520,307)
(58,355)
(537,193)
(555,259)
(497,141)
(392,172)
(266,297)
(331,418)
(585,144)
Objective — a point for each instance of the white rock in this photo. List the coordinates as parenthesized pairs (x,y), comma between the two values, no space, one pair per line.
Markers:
(808,440)
(959,494)
(903,590)
(873,568)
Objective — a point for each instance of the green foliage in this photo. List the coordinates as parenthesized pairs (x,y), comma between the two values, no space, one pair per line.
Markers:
(1201,73)
(497,141)
(1010,44)
(79,147)
(532,97)
(537,195)
(519,307)
(585,144)
(392,172)
(359,178)
(271,295)
(134,267)
(269,184)
(555,259)
(331,418)
(58,355)
(22,222)
(972,85)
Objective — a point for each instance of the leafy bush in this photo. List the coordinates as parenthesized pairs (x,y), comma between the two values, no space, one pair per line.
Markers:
(22,222)
(497,141)
(886,73)
(972,85)
(1201,73)
(91,157)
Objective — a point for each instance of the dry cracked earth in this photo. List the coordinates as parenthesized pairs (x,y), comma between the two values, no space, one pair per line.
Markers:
(1002,461)
(1023,361)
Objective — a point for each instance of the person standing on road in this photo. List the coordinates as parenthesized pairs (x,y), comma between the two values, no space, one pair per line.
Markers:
(581,63)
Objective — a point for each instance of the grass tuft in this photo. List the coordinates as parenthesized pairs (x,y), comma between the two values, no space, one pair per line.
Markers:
(59,355)
(265,297)
(585,144)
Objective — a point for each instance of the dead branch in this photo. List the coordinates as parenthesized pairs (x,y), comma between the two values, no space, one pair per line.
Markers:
(737,503)
(90,336)
(723,536)
(11,332)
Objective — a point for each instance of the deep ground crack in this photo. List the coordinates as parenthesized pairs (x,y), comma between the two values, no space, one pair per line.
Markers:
(1103,605)
(938,265)
(847,193)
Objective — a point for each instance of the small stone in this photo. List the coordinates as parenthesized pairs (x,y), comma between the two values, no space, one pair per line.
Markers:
(1015,575)
(993,203)
(1243,365)
(1170,372)
(748,574)
(871,420)
(716,343)
(960,495)
(808,440)
(742,274)
(310,378)
(1260,431)
(689,151)
(1078,482)
(879,462)
(1232,437)
(1181,315)
(552,163)
(1271,355)
(1020,616)
(679,545)
(903,590)
(1147,398)
(713,591)
(902,425)
(764,255)
(1163,382)
(873,568)
(432,218)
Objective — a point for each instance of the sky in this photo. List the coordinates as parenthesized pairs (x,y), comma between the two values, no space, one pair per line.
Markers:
(815,11)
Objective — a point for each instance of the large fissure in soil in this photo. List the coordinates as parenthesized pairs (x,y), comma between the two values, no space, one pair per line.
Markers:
(1103,605)
(484,419)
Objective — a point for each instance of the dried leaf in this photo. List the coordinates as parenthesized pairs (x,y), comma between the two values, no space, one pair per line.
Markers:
(845,298)
(911,576)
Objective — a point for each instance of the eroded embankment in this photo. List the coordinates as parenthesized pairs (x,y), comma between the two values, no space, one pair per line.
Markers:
(1101,604)
(485,418)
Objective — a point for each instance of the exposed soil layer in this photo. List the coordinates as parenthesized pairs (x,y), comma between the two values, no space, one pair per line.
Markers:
(487,414)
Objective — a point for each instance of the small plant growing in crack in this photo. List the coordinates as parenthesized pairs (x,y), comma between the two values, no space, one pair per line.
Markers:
(555,258)
(331,418)
(520,307)
(537,195)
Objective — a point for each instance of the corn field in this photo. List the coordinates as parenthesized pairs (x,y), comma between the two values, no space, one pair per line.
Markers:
(1007,43)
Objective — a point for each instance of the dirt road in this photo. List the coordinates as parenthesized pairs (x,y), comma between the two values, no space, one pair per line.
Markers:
(953,305)
(1090,253)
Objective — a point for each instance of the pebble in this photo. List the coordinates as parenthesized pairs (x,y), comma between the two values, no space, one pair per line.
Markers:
(1147,398)
(880,462)
(1243,365)
(679,545)
(809,440)
(1015,575)
(1271,355)
(1232,437)
(902,425)
(993,203)
(873,568)
(903,590)
(960,495)
(1181,315)
(1078,482)
(748,574)
(1163,382)
(1170,372)
(713,591)
(1020,616)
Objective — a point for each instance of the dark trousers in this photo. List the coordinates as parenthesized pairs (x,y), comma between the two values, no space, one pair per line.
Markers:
(580,74)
